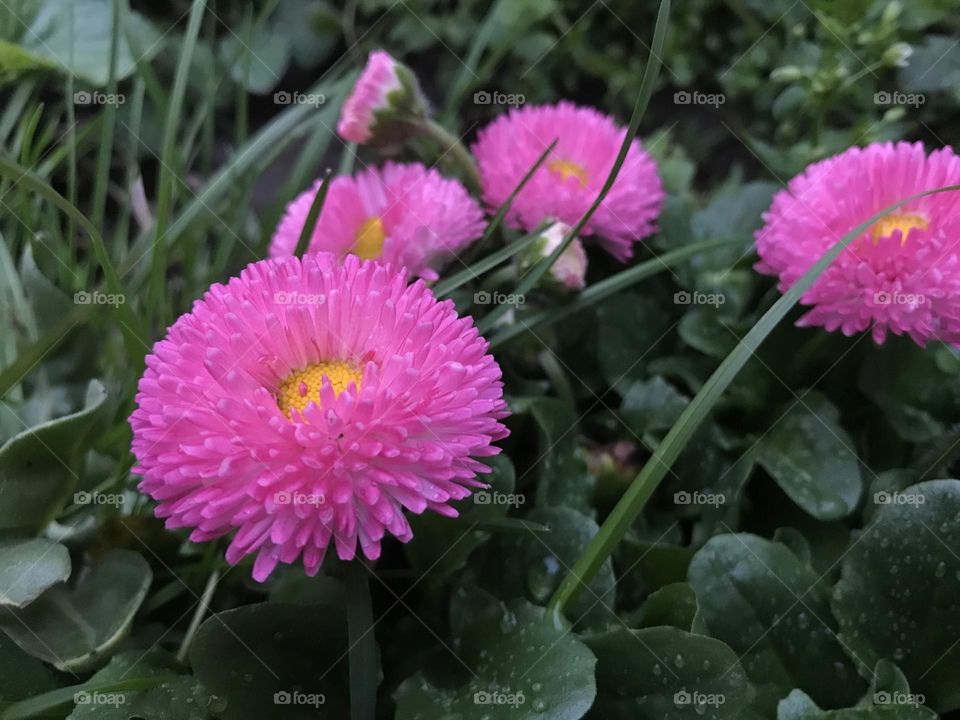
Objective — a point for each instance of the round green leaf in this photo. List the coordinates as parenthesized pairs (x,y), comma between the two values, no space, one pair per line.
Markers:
(512,666)
(774,611)
(798,706)
(38,466)
(28,567)
(811,458)
(75,629)
(899,595)
(275,660)
(663,673)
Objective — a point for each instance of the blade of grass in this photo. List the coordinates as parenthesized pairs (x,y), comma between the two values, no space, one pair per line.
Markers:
(130,325)
(602,545)
(650,74)
(607,287)
(447,286)
(105,151)
(156,292)
(310,224)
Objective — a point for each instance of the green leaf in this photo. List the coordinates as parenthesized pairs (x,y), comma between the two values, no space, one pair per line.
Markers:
(626,345)
(531,566)
(674,605)
(178,697)
(774,611)
(28,567)
(652,405)
(662,673)
(563,475)
(934,65)
(798,706)
(78,39)
(275,660)
(76,629)
(898,595)
(520,668)
(38,467)
(811,458)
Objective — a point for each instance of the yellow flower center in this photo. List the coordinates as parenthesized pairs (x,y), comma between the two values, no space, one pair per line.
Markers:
(303,386)
(370,237)
(904,222)
(567,169)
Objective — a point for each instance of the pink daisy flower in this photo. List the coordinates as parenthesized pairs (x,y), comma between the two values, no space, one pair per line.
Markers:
(406,215)
(387,91)
(309,402)
(565,186)
(903,274)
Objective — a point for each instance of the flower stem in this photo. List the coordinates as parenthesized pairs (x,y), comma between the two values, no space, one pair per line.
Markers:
(363,645)
(451,145)
(201,610)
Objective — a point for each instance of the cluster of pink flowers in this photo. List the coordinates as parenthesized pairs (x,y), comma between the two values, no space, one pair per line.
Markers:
(312,401)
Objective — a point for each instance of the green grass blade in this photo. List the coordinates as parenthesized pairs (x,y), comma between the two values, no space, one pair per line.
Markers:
(643,99)
(165,184)
(364,673)
(105,151)
(490,261)
(313,215)
(607,287)
(130,325)
(635,498)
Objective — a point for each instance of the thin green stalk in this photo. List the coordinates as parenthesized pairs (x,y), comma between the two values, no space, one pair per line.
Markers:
(202,607)
(105,151)
(303,242)
(643,99)
(466,77)
(165,185)
(447,286)
(635,498)
(451,146)
(607,287)
(362,643)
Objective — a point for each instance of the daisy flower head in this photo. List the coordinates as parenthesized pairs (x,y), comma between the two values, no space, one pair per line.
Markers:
(902,275)
(309,403)
(404,214)
(569,181)
(385,97)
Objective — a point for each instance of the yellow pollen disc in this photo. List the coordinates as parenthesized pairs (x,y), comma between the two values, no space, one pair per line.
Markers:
(303,386)
(904,222)
(566,169)
(370,239)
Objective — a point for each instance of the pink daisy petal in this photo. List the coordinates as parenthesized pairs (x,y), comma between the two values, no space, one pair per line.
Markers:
(902,276)
(300,425)
(404,214)
(570,180)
